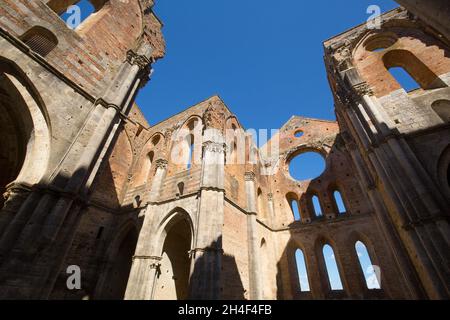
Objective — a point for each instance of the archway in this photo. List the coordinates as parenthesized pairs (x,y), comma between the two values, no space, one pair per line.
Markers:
(173,279)
(24,144)
(120,267)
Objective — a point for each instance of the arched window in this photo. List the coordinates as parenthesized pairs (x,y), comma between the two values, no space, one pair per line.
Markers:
(410,71)
(332,269)
(190,154)
(339,202)
(75,12)
(442,109)
(261,207)
(295,210)
(40,40)
(180,188)
(371,272)
(404,78)
(316,206)
(302,271)
(145,169)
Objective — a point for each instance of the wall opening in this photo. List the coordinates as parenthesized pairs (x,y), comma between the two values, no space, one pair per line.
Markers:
(332,268)
(120,267)
(173,280)
(190,142)
(368,269)
(16,129)
(306,166)
(261,205)
(40,40)
(410,72)
(302,271)
(145,169)
(296,210)
(75,12)
(404,79)
(442,109)
(340,205)
(316,206)
(180,188)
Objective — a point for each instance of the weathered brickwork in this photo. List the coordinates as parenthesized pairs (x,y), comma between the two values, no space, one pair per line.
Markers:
(191,207)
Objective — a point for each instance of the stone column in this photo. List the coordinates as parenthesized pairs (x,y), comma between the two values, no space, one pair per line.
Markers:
(145,261)
(205,280)
(254,262)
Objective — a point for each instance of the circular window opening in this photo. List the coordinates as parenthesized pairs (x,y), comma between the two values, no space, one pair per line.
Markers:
(299,134)
(379,43)
(307,166)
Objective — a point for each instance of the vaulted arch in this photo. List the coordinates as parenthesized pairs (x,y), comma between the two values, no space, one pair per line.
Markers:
(176,237)
(24,127)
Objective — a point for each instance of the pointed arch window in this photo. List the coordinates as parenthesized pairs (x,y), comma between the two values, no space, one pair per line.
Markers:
(371,272)
(75,12)
(190,154)
(316,206)
(261,207)
(339,201)
(302,271)
(296,210)
(404,78)
(332,269)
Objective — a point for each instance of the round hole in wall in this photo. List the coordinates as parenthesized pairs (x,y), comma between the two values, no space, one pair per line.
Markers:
(306,166)
(299,133)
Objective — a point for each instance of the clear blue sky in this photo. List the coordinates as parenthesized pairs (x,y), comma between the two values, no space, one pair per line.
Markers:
(264,58)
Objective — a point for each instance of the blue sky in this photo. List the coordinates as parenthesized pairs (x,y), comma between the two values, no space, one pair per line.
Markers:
(264,58)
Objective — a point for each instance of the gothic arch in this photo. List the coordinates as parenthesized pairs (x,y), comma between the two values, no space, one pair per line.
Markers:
(113,282)
(320,243)
(24,127)
(173,243)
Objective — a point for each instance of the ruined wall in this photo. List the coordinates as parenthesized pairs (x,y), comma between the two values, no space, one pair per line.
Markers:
(385,127)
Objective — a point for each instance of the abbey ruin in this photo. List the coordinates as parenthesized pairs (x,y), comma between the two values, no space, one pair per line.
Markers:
(88,182)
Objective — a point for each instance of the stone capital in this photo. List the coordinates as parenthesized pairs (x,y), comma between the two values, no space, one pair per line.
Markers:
(212,146)
(139,60)
(363,89)
(161,164)
(249,176)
